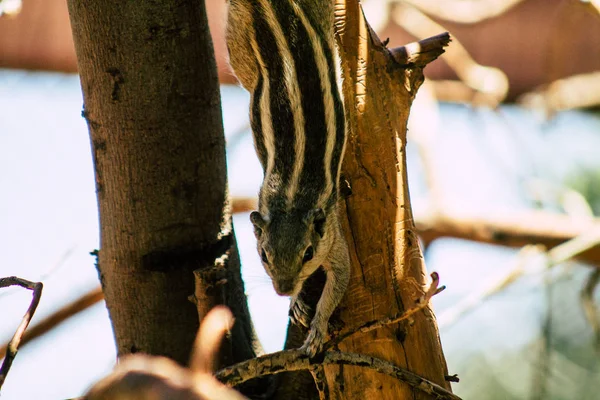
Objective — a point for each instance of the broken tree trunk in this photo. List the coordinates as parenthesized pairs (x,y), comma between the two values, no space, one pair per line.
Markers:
(388,271)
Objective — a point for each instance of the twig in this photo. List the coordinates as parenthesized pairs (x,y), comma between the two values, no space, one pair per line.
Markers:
(47,324)
(294,360)
(13,345)
(420,303)
(589,306)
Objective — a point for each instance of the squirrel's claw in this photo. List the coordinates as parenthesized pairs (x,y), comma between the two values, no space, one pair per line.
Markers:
(300,313)
(314,342)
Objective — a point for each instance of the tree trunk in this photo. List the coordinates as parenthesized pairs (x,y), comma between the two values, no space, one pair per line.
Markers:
(152,103)
(388,272)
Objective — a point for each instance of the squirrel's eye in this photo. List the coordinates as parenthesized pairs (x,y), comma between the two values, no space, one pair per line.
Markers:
(308,255)
(263,255)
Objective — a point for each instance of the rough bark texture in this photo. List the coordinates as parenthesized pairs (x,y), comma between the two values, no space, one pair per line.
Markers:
(152,103)
(388,272)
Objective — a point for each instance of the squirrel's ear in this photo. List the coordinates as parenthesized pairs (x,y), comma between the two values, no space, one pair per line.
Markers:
(317,217)
(258,222)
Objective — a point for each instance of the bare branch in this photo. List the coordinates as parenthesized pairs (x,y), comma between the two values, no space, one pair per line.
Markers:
(576,91)
(47,324)
(512,229)
(13,345)
(294,360)
(420,303)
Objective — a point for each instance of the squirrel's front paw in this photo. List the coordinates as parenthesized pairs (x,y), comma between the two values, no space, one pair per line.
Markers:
(314,342)
(300,313)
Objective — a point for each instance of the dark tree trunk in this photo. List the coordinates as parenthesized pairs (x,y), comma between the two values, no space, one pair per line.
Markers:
(152,103)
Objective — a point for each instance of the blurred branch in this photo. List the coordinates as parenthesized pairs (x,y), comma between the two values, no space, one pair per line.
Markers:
(576,91)
(491,84)
(140,376)
(512,229)
(82,303)
(542,371)
(463,11)
(479,294)
(13,345)
(589,306)
(559,254)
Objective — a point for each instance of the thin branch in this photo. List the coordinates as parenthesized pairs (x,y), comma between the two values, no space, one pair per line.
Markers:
(47,324)
(420,303)
(13,345)
(512,229)
(294,360)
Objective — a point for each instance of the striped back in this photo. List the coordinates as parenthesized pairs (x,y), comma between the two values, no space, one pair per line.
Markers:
(283,53)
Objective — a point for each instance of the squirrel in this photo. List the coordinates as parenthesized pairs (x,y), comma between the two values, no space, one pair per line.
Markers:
(283,52)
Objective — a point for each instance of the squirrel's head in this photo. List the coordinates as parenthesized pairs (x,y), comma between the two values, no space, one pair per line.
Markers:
(292,245)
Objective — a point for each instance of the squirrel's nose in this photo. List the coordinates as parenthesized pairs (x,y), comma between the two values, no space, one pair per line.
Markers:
(284,287)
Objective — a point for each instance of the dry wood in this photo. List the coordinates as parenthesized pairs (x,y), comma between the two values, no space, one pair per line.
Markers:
(13,345)
(388,271)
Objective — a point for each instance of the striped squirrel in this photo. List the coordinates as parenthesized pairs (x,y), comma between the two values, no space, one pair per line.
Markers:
(283,53)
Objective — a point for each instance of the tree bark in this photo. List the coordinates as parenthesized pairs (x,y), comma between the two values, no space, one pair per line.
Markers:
(152,103)
(388,272)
